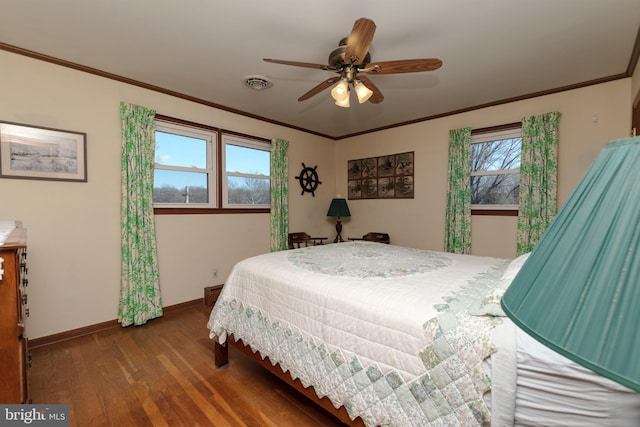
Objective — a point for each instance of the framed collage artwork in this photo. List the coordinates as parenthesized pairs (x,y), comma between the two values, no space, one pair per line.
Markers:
(383,177)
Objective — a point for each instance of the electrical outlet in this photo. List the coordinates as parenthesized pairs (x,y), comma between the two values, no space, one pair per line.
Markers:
(214,272)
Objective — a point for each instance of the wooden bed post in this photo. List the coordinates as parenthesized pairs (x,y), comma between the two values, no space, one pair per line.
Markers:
(221,355)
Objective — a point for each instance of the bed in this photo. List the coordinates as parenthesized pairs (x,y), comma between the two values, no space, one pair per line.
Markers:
(401,337)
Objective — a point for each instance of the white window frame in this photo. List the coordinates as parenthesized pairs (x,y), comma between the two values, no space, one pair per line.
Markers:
(489,137)
(211,137)
(242,142)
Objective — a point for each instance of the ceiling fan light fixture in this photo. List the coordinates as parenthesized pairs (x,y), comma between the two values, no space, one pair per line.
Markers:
(340,91)
(352,57)
(363,92)
(343,103)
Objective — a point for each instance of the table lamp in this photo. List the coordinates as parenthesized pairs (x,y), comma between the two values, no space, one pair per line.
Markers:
(338,208)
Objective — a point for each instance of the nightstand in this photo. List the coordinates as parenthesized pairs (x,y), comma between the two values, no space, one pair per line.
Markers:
(211,294)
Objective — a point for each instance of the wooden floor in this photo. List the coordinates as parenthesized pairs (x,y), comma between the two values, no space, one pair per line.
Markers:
(162,374)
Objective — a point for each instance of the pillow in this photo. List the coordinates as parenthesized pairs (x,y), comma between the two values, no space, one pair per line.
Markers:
(489,305)
(512,270)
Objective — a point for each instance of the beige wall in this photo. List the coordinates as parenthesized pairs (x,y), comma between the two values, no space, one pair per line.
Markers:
(73,228)
(420,222)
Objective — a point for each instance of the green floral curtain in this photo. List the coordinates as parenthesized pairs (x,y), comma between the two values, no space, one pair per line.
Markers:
(538,178)
(458,216)
(139,288)
(279,195)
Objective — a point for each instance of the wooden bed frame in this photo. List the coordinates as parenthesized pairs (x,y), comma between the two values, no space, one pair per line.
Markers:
(221,356)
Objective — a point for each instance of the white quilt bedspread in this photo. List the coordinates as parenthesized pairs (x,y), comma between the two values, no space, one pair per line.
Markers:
(380,329)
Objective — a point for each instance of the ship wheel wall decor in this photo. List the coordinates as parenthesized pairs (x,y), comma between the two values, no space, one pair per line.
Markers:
(308,180)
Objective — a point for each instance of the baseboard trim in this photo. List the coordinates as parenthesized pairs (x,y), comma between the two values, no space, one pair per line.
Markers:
(103,326)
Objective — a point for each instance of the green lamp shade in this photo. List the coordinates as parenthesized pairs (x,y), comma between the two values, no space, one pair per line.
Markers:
(579,291)
(339,208)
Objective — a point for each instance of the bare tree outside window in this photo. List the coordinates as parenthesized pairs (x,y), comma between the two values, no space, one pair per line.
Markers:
(495,172)
(248,191)
(188,194)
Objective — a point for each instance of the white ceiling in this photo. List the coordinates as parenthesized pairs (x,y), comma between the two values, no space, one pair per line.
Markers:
(492,50)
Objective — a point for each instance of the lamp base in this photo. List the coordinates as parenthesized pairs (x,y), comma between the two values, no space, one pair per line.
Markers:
(338,238)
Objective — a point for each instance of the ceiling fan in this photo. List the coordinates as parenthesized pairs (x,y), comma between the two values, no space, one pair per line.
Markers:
(351,60)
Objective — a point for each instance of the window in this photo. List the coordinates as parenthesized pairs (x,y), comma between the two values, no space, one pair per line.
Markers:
(191,160)
(245,182)
(495,169)
(185,167)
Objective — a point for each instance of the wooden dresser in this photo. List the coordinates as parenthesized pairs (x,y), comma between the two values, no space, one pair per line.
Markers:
(14,356)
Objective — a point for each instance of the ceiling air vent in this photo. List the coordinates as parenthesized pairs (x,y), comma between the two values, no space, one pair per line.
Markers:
(258,82)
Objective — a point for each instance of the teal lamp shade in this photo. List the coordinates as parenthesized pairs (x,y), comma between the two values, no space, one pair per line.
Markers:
(338,208)
(579,291)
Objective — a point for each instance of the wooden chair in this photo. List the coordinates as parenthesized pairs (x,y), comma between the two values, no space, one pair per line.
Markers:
(377,237)
(300,240)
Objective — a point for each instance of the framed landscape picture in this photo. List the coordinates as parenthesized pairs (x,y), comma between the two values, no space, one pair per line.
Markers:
(33,152)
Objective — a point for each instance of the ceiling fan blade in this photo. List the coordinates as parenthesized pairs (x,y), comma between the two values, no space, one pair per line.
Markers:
(377,96)
(403,66)
(301,64)
(359,41)
(319,88)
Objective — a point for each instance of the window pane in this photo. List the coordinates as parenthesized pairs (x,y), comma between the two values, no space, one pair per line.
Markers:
(248,191)
(180,150)
(496,155)
(179,187)
(495,189)
(247,160)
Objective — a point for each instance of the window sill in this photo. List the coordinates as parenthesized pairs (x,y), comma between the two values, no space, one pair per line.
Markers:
(495,212)
(209,211)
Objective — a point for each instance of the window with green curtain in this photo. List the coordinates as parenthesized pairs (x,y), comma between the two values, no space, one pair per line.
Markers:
(458,214)
(140,298)
(279,195)
(538,179)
